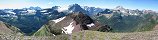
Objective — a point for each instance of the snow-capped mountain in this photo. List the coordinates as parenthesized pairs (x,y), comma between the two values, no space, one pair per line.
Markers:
(92,10)
(32,17)
(33,8)
(76,8)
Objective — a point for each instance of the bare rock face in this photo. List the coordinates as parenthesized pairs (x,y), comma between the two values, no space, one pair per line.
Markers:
(83,20)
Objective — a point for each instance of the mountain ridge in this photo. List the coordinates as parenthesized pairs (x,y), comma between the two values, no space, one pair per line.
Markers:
(73,22)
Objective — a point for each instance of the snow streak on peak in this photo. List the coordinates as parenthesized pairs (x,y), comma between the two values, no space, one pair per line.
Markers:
(68,29)
(90,25)
(62,8)
(58,20)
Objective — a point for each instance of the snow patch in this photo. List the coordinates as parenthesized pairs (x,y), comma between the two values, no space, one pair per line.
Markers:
(62,8)
(58,20)
(44,11)
(123,11)
(90,25)
(31,11)
(11,12)
(53,35)
(68,29)
(135,14)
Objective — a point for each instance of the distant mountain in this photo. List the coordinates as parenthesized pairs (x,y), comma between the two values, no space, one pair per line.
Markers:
(92,10)
(119,8)
(76,8)
(106,11)
(128,11)
(33,8)
(30,20)
(85,9)
(127,20)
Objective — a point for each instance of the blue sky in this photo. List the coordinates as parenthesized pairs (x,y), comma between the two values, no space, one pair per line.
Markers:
(130,4)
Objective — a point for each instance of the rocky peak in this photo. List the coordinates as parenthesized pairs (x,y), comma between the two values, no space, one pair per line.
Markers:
(106,11)
(55,7)
(81,18)
(76,8)
(119,8)
(73,22)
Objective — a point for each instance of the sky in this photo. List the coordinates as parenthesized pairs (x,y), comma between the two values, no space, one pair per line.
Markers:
(129,4)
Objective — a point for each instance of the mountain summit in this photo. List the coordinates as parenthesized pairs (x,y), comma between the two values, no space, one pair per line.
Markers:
(76,8)
(73,22)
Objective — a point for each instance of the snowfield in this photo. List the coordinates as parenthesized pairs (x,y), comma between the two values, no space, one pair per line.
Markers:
(90,25)
(68,29)
(44,11)
(58,20)
(62,8)
(11,12)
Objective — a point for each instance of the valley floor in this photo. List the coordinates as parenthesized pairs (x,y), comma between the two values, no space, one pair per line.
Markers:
(90,35)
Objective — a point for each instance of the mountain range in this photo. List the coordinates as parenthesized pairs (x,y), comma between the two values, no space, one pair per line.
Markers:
(50,22)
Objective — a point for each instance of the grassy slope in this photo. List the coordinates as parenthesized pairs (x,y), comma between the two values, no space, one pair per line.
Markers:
(130,23)
(95,35)
(9,29)
(42,32)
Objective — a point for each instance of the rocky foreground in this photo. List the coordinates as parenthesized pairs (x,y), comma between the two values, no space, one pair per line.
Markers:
(89,35)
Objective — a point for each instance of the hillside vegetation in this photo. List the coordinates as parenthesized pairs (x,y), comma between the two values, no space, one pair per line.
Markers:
(95,35)
(92,35)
